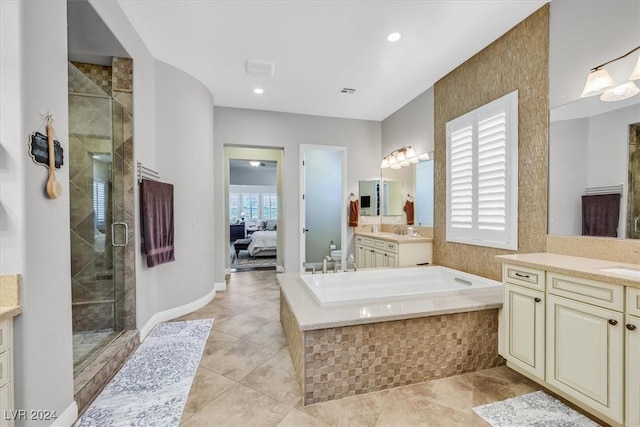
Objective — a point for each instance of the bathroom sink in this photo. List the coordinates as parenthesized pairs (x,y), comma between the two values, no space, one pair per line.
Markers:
(623,271)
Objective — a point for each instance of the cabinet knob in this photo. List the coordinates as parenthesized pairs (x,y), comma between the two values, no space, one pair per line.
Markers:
(631,327)
(613,322)
(536,299)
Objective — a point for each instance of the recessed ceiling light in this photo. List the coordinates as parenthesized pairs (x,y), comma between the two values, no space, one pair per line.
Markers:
(394,37)
(258,91)
(254,163)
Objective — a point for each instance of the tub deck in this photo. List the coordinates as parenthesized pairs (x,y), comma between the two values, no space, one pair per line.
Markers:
(310,315)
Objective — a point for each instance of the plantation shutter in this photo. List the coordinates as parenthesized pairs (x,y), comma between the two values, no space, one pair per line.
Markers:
(482,175)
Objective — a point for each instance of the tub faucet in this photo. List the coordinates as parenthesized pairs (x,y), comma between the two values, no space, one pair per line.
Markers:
(325,262)
(351,260)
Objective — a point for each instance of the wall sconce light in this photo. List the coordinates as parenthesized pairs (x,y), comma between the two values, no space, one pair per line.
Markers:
(404,156)
(600,81)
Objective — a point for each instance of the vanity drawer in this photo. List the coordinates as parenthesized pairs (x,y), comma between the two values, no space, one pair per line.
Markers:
(391,247)
(633,301)
(523,276)
(379,244)
(602,294)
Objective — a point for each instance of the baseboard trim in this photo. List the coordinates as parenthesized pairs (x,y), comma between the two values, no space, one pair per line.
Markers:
(67,417)
(172,313)
(279,269)
(221,286)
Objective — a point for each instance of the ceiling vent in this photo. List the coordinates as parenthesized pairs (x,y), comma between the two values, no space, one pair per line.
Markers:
(347,90)
(259,67)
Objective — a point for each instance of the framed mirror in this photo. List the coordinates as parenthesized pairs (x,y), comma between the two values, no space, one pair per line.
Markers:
(369,197)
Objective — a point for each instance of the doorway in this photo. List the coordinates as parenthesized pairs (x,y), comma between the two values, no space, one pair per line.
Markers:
(323,207)
(254,208)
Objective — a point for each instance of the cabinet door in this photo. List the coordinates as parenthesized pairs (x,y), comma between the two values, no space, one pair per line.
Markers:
(585,354)
(379,258)
(369,260)
(5,406)
(633,370)
(524,328)
(391,260)
(360,254)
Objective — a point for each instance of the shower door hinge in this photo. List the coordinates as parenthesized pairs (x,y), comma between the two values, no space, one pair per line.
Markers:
(303,163)
(303,197)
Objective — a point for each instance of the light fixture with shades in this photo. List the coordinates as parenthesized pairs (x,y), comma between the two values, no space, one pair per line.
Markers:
(600,81)
(404,156)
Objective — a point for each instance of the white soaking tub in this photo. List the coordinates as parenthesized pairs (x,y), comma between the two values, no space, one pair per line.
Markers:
(367,286)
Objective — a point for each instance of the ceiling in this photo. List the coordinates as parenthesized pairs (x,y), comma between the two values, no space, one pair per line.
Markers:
(320,46)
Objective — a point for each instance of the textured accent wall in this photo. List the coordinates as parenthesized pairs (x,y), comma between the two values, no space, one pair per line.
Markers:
(519,60)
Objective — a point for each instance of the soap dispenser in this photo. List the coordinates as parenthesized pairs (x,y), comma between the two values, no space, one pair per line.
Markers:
(410,231)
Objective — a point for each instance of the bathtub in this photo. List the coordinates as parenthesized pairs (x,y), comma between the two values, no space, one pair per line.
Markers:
(357,332)
(348,288)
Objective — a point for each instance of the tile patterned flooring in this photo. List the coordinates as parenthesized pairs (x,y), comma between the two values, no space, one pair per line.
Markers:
(246,377)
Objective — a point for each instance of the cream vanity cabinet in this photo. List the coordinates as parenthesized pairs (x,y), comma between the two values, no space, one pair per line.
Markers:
(585,342)
(377,253)
(524,333)
(6,370)
(632,331)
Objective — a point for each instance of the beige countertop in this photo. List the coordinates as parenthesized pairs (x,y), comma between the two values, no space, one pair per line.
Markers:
(587,268)
(10,305)
(392,237)
(311,316)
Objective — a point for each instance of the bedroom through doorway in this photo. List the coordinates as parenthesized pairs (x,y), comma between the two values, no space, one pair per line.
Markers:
(254,208)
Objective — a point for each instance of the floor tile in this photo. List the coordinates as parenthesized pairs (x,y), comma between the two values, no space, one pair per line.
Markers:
(270,335)
(354,411)
(237,359)
(268,310)
(297,418)
(239,406)
(276,378)
(240,325)
(207,385)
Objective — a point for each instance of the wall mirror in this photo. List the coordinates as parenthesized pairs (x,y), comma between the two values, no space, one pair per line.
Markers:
(594,144)
(414,181)
(369,197)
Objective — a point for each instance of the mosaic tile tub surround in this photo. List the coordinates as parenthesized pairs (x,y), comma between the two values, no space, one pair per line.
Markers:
(333,363)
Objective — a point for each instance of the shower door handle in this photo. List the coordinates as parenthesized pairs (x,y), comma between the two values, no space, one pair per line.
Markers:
(635,224)
(113,234)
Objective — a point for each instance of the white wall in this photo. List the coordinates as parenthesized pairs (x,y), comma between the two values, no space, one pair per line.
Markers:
(410,125)
(567,186)
(184,153)
(35,229)
(253,176)
(585,34)
(235,126)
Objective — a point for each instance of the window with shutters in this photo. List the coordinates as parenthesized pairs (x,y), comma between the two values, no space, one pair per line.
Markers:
(482,175)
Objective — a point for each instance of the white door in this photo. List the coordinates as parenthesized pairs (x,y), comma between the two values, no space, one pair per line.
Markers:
(323,203)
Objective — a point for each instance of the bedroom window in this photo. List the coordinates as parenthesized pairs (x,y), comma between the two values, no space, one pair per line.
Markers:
(250,205)
(269,206)
(234,212)
(482,175)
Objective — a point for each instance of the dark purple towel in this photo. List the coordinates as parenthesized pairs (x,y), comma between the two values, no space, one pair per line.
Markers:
(600,215)
(156,215)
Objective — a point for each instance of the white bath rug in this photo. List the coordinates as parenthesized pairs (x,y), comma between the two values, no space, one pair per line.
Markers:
(534,409)
(152,387)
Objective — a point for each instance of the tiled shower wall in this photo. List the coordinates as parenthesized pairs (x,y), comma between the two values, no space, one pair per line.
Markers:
(346,361)
(90,132)
(517,60)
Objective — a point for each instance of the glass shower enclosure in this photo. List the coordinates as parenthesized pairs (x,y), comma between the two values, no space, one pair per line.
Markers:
(98,230)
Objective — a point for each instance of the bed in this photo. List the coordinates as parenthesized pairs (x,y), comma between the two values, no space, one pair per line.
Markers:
(263,243)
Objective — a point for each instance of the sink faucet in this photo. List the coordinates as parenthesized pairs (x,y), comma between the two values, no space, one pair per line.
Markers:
(351,260)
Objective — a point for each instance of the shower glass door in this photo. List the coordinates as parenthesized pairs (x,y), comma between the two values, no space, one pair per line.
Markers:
(98,236)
